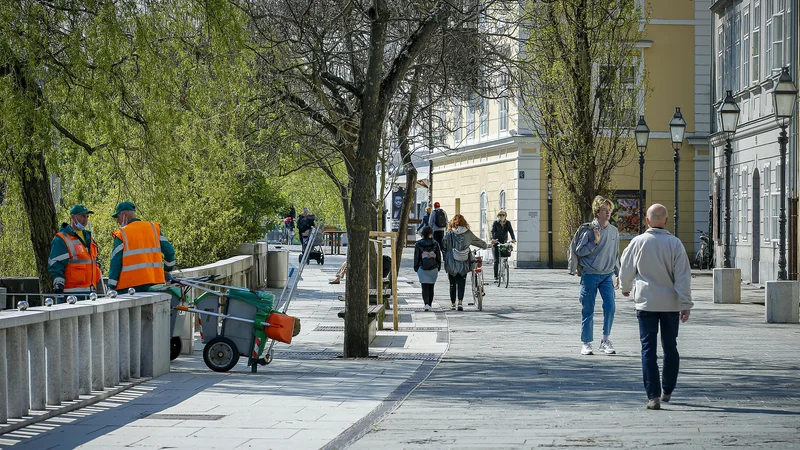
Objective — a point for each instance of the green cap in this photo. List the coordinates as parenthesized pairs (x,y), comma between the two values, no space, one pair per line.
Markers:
(80,209)
(124,206)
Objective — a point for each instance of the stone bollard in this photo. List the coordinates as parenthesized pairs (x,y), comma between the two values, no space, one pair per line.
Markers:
(728,286)
(136,341)
(52,340)
(124,345)
(85,355)
(782,303)
(111,348)
(17,372)
(98,350)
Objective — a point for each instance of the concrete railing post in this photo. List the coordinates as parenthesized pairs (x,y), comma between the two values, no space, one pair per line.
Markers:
(136,341)
(17,372)
(38,366)
(98,350)
(52,340)
(111,349)
(69,382)
(3,380)
(85,355)
(155,339)
(124,345)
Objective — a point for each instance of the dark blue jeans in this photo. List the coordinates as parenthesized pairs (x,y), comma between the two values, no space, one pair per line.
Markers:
(649,322)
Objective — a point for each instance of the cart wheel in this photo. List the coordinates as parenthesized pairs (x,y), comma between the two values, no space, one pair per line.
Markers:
(321,259)
(220,354)
(175,347)
(266,359)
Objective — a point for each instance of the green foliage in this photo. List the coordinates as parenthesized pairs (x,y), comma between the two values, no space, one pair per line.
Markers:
(155,99)
(311,188)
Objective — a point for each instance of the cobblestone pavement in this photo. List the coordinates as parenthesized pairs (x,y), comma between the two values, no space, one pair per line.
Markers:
(513,378)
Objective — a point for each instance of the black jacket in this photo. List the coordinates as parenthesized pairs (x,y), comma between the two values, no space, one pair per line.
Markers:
(304,223)
(501,231)
(418,249)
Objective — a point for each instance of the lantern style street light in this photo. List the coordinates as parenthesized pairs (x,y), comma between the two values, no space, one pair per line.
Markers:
(784,97)
(677,129)
(729,117)
(642,133)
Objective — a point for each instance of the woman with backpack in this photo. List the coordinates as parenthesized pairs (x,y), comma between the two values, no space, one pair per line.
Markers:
(427,264)
(457,258)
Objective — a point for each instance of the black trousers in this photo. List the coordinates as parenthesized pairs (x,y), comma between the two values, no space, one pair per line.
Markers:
(496,253)
(457,285)
(438,236)
(427,293)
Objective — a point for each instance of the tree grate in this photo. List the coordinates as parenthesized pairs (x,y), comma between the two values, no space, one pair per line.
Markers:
(420,329)
(402,308)
(184,416)
(338,355)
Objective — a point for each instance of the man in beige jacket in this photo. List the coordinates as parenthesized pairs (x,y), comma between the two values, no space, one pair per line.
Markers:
(656,268)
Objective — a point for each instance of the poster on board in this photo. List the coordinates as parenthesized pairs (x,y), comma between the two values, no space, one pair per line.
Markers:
(626,213)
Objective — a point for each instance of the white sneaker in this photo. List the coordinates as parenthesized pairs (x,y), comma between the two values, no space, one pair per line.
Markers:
(427,307)
(586,349)
(607,347)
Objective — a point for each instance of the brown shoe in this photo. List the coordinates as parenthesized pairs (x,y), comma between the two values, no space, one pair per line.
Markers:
(336,280)
(654,403)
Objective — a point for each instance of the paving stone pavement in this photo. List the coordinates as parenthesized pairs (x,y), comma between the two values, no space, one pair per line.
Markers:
(513,378)
(304,399)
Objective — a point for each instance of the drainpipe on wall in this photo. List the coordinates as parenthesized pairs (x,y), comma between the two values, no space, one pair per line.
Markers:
(549,215)
(430,183)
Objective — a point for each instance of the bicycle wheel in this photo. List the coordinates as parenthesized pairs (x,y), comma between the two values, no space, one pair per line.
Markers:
(481,293)
(699,259)
(474,283)
(505,272)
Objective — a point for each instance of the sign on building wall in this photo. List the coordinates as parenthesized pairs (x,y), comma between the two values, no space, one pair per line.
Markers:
(626,213)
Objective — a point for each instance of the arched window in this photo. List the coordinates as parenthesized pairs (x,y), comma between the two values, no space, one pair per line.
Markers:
(484,208)
(503,200)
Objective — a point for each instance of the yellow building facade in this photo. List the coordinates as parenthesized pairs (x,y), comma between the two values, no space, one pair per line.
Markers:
(497,164)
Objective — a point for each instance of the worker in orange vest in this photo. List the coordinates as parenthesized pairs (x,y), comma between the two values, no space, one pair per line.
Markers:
(136,258)
(73,255)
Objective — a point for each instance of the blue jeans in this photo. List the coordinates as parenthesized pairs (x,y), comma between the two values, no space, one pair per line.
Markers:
(590,284)
(648,333)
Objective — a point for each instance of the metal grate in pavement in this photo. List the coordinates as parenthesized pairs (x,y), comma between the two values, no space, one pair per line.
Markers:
(185,416)
(441,337)
(341,328)
(399,308)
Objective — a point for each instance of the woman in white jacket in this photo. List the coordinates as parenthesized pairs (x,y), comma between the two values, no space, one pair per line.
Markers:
(656,269)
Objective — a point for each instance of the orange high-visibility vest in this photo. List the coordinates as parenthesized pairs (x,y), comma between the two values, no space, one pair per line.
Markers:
(82,271)
(141,254)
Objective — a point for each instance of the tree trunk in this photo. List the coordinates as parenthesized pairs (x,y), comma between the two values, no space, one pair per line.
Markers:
(40,209)
(411,171)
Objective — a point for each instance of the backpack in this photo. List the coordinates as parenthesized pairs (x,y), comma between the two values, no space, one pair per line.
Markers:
(458,255)
(573,261)
(439,218)
(429,254)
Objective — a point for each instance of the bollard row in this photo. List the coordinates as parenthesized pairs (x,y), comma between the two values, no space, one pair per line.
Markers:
(50,355)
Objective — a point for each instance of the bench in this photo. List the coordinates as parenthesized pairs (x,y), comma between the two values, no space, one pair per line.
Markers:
(374,313)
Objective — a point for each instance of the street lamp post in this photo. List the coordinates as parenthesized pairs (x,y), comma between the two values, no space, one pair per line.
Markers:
(677,129)
(729,117)
(642,133)
(784,97)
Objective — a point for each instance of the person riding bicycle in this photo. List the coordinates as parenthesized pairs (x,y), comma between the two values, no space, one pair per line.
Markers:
(501,228)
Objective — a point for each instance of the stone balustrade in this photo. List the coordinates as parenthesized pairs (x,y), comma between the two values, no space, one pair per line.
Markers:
(51,355)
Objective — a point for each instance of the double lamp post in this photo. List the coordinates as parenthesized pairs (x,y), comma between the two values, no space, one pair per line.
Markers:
(677,130)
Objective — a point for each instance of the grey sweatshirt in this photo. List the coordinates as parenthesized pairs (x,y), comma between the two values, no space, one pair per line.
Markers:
(656,269)
(601,258)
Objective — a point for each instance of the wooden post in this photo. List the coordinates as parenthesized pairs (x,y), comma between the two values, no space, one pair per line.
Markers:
(379,284)
(395,316)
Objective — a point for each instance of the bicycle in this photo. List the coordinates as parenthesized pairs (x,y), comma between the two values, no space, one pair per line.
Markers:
(477,280)
(504,252)
(704,256)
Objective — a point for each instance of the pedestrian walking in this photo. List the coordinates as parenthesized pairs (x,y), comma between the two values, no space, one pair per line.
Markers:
(425,220)
(73,255)
(501,229)
(597,249)
(136,258)
(438,222)
(458,258)
(427,264)
(656,269)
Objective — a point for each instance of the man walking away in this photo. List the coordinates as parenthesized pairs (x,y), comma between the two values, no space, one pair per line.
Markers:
(438,222)
(656,269)
(598,252)
(501,228)
(136,260)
